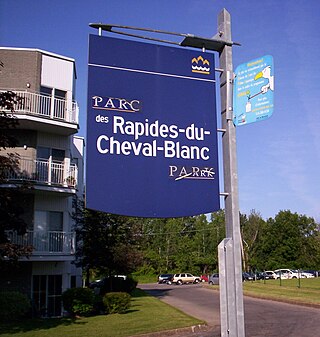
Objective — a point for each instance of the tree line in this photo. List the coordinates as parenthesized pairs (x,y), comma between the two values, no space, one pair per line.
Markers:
(112,244)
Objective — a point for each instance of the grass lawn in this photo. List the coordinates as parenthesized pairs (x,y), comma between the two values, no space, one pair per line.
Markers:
(147,314)
(306,291)
(303,291)
(145,278)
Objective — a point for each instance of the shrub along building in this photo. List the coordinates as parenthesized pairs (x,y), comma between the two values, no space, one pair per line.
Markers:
(51,159)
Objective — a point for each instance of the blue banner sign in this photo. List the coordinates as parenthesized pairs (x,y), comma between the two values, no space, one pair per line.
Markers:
(151,130)
(253,91)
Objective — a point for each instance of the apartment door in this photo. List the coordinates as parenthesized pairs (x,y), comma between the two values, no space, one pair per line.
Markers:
(46,294)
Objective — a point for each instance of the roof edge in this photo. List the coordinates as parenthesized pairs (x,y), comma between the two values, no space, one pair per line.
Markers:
(40,51)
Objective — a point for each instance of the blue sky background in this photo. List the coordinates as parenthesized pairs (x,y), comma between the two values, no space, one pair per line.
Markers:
(278,159)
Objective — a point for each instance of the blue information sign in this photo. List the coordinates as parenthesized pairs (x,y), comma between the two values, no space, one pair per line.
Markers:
(253,91)
(151,130)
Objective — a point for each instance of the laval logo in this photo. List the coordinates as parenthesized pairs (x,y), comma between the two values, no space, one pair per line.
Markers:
(200,65)
(116,104)
(194,172)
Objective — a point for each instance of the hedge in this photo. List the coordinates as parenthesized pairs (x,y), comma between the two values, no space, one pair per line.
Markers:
(116,302)
(13,305)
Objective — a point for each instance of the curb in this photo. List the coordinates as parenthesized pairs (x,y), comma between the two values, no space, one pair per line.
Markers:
(188,331)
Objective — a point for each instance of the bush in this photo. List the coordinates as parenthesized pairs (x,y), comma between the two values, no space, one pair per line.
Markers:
(13,305)
(82,309)
(116,303)
(78,301)
(117,284)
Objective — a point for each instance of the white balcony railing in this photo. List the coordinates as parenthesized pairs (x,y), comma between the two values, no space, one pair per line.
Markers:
(46,106)
(45,172)
(52,242)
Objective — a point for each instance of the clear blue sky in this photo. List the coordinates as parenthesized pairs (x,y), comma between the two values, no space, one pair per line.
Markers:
(278,159)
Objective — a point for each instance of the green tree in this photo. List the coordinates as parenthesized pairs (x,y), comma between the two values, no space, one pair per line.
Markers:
(184,251)
(156,246)
(107,243)
(252,228)
(290,240)
(217,235)
(163,246)
(202,254)
(207,236)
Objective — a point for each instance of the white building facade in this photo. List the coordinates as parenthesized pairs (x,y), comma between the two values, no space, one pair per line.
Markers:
(51,160)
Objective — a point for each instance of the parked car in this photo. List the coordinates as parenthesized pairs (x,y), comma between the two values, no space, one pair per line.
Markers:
(185,278)
(304,274)
(269,274)
(165,278)
(95,284)
(286,274)
(315,273)
(260,276)
(247,277)
(214,279)
(101,282)
(204,278)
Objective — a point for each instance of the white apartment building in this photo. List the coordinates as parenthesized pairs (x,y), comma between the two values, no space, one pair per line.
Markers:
(51,159)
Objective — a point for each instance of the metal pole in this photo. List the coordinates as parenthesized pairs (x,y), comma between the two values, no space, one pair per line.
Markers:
(231,294)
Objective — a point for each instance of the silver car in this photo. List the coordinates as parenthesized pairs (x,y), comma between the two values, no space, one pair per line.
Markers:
(214,279)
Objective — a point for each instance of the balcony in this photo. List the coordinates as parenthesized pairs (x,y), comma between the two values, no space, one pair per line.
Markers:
(48,110)
(45,242)
(45,172)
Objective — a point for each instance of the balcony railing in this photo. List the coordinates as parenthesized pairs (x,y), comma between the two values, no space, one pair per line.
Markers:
(45,172)
(51,242)
(46,106)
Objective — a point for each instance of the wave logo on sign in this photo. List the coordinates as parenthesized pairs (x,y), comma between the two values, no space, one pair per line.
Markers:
(200,65)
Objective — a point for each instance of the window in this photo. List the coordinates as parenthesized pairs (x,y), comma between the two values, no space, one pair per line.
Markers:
(48,231)
(60,94)
(45,91)
(58,109)
(73,281)
(58,156)
(55,221)
(43,153)
(54,295)
(50,165)
(48,221)
(60,103)
(45,101)
(43,157)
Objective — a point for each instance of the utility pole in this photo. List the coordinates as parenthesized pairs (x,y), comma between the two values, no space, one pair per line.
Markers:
(230,262)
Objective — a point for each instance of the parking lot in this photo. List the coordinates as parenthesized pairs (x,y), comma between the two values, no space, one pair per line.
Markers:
(263,318)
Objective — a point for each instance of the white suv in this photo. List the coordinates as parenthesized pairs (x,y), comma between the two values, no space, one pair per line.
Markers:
(286,274)
(185,278)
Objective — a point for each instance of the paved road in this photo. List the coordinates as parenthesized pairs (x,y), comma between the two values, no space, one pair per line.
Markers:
(262,318)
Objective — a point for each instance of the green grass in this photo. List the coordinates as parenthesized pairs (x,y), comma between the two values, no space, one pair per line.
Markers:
(305,291)
(145,278)
(147,314)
